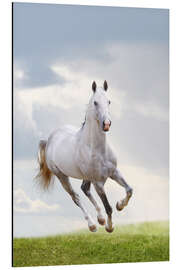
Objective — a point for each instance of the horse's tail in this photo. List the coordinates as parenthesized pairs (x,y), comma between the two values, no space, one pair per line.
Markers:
(45,175)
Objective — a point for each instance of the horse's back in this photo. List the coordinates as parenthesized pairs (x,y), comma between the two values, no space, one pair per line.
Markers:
(60,151)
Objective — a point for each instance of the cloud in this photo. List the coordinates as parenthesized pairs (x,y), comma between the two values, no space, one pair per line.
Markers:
(18,74)
(152,111)
(50,37)
(25,131)
(24,205)
(126,76)
(134,110)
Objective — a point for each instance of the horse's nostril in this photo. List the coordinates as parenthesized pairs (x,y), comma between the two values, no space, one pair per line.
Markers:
(105,123)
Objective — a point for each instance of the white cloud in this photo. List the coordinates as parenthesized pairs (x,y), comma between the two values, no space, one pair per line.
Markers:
(18,74)
(24,205)
(142,71)
(133,69)
(75,93)
(153,111)
(138,87)
(23,113)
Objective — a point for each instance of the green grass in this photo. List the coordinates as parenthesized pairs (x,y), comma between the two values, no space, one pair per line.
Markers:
(145,242)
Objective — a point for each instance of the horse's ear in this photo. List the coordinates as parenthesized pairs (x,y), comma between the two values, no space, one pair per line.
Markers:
(105,85)
(94,86)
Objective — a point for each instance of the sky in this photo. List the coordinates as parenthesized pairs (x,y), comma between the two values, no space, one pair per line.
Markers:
(58,51)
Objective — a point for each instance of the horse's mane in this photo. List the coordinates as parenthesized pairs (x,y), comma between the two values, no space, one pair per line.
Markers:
(83,123)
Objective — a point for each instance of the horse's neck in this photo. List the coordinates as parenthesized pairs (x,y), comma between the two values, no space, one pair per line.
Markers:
(93,136)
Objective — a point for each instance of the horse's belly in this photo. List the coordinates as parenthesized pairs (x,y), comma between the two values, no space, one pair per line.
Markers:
(65,163)
(61,152)
(70,170)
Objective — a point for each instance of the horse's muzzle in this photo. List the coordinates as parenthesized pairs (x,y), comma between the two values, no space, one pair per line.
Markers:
(106,125)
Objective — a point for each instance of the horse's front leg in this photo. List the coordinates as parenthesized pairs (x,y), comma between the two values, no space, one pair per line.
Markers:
(99,186)
(120,180)
(86,189)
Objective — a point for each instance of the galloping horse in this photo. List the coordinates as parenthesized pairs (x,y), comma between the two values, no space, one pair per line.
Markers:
(84,154)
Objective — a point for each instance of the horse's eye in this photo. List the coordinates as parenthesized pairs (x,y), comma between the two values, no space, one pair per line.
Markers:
(109,102)
(95,103)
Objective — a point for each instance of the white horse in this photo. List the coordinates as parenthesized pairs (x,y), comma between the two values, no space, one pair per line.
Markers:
(84,154)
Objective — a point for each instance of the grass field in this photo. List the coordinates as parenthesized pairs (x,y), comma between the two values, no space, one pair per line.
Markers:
(145,242)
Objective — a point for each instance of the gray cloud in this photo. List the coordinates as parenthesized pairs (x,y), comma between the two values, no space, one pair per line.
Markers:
(37,74)
(49,119)
(46,119)
(24,133)
(25,205)
(60,32)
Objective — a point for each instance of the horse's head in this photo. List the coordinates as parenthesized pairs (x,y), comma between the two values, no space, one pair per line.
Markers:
(100,104)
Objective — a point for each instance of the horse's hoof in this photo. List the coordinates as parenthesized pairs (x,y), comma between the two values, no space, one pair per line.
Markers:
(119,206)
(93,228)
(101,221)
(109,230)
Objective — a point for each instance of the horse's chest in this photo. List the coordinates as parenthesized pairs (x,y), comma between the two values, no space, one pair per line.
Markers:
(95,167)
(101,171)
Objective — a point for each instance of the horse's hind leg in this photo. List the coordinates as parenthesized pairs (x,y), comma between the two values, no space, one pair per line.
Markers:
(75,197)
(86,189)
(120,180)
